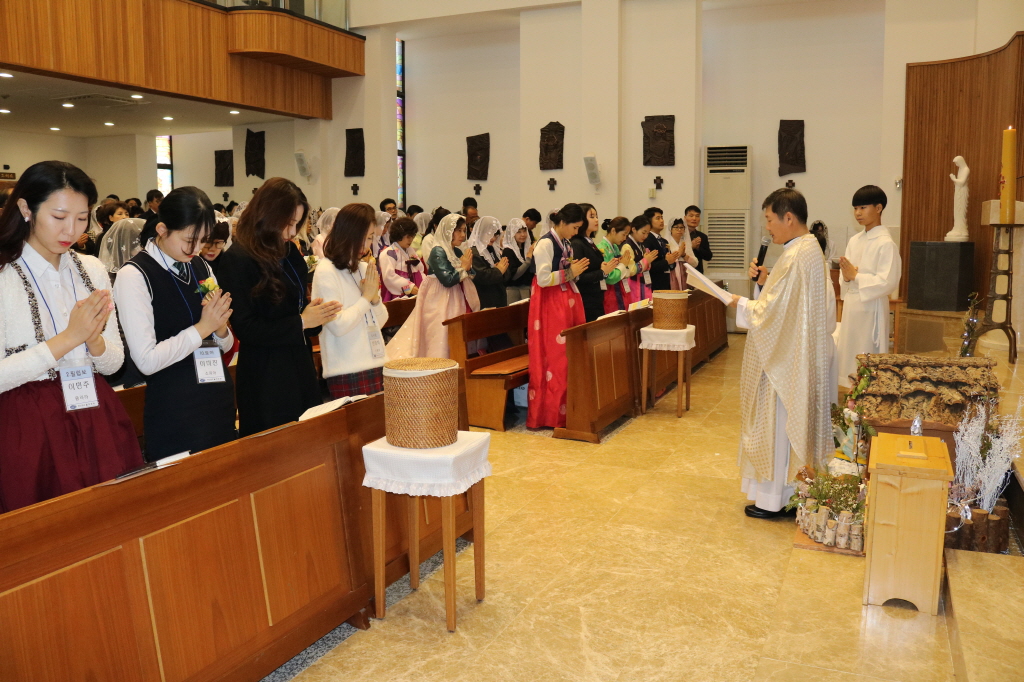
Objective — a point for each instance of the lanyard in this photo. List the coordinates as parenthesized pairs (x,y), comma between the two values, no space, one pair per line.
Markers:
(297,281)
(42,296)
(177,284)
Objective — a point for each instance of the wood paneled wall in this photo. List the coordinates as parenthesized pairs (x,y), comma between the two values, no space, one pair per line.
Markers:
(959,107)
(277,38)
(180,48)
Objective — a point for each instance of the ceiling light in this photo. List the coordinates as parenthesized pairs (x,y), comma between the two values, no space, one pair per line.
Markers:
(108,123)
(68,105)
(136,96)
(234,112)
(6,75)
(54,128)
(5,111)
(168,118)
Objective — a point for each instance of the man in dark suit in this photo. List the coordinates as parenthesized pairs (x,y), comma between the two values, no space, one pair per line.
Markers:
(699,240)
(153,199)
(666,260)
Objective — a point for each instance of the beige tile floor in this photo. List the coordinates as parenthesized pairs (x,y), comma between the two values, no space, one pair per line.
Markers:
(632,560)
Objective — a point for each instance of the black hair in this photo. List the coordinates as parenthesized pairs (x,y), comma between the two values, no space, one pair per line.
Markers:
(820,232)
(135,211)
(218,207)
(138,201)
(691,207)
(221,232)
(653,211)
(386,202)
(678,221)
(413,210)
(439,213)
(568,214)
(582,232)
(113,196)
(4,193)
(35,186)
(532,214)
(402,228)
(784,200)
(640,222)
(187,208)
(154,194)
(469,202)
(231,206)
(870,195)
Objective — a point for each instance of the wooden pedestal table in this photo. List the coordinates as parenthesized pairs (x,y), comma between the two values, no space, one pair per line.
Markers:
(672,340)
(907,493)
(444,472)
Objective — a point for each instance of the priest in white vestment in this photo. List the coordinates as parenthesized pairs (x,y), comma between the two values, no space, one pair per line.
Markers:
(788,377)
(870,273)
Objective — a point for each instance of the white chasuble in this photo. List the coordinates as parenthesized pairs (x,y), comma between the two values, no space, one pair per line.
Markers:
(865,327)
(787,363)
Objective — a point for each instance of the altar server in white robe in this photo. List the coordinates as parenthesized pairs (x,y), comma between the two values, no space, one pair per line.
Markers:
(787,383)
(870,272)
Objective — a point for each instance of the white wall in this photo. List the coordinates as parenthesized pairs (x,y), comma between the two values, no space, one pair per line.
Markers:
(458,88)
(21,150)
(279,156)
(194,161)
(817,61)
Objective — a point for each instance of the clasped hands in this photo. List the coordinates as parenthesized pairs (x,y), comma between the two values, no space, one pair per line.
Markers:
(849,269)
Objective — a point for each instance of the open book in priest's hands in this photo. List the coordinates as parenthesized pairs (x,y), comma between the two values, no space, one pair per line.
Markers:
(699,280)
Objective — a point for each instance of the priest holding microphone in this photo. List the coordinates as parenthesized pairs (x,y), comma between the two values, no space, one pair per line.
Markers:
(788,381)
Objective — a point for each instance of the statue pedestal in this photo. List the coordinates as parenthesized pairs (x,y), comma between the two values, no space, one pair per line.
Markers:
(941,275)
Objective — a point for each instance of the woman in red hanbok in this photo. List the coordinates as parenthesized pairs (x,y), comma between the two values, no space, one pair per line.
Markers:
(555,305)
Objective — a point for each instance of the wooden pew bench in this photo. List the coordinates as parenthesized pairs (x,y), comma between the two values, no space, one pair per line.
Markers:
(491,376)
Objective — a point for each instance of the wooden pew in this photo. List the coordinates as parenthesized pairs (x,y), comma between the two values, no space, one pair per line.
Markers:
(223,566)
(490,377)
(602,384)
(399,311)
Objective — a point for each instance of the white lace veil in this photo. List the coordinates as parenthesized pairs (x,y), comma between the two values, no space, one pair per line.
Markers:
(443,238)
(422,220)
(509,241)
(326,221)
(121,243)
(484,229)
(237,213)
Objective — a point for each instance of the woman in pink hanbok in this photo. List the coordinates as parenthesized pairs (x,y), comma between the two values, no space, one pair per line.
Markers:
(401,272)
(447,292)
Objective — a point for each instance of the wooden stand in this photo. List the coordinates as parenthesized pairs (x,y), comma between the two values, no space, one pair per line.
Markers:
(683,368)
(906,523)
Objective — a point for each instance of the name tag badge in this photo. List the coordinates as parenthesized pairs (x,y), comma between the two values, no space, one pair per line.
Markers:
(209,363)
(79,388)
(604,285)
(647,278)
(625,285)
(376,341)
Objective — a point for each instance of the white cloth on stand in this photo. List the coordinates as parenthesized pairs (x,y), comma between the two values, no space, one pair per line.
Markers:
(667,339)
(438,472)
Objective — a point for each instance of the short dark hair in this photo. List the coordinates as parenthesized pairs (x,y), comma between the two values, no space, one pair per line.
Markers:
(35,186)
(640,222)
(653,211)
(439,213)
(691,207)
(820,232)
(135,211)
(218,207)
(104,212)
(344,244)
(870,195)
(231,206)
(678,221)
(221,232)
(402,228)
(113,196)
(568,214)
(413,210)
(154,194)
(469,202)
(138,201)
(188,208)
(785,200)
(532,214)
(384,203)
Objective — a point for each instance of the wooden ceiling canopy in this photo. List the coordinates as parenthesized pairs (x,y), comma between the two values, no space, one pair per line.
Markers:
(959,107)
(269,61)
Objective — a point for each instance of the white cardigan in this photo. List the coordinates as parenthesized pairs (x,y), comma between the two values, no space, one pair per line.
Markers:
(25,359)
(344,342)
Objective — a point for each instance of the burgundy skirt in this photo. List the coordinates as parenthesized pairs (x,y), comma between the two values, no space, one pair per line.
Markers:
(367,382)
(48,451)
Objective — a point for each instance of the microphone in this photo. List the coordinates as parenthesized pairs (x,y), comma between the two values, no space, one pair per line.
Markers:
(765,241)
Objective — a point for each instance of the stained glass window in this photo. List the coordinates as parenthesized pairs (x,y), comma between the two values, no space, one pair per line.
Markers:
(164,164)
(400,118)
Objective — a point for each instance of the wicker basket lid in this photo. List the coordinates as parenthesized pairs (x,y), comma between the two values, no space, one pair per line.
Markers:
(671,294)
(418,367)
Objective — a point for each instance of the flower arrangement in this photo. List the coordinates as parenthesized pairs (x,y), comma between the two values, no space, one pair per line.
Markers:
(207,287)
(311,262)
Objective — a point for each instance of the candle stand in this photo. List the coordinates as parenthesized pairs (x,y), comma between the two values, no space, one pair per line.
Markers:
(1002,246)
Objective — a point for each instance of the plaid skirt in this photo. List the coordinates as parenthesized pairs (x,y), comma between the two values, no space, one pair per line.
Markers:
(367,382)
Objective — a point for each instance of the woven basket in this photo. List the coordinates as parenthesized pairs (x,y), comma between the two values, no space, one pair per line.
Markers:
(670,309)
(421,402)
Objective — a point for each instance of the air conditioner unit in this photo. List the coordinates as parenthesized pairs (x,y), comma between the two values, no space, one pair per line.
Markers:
(727,219)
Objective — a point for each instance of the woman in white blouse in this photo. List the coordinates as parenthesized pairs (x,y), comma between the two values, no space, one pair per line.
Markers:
(177,332)
(351,346)
(55,318)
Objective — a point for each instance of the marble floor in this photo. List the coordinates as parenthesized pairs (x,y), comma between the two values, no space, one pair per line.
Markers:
(632,560)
